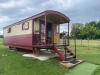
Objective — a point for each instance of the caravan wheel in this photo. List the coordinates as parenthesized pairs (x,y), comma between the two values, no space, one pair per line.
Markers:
(36,52)
(10,47)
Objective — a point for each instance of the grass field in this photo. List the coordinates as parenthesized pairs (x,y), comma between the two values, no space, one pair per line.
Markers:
(15,64)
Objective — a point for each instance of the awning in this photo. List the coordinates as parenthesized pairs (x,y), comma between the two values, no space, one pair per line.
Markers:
(54,16)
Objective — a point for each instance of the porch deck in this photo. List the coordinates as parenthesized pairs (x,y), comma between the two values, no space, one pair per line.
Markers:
(48,45)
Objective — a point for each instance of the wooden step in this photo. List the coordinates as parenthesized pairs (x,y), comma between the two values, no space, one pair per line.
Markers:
(69,57)
(43,49)
(63,52)
(71,63)
(59,49)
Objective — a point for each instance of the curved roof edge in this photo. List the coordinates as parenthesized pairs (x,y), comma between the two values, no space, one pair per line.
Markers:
(39,15)
(58,13)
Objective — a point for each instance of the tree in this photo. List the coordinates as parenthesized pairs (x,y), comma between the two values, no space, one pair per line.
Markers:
(76,30)
(1,36)
(90,32)
(98,25)
(93,23)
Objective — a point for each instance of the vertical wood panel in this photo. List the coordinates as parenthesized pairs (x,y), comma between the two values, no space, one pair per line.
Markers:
(56,35)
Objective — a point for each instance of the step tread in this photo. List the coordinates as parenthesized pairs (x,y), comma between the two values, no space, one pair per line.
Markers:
(43,49)
(69,57)
(64,52)
(69,64)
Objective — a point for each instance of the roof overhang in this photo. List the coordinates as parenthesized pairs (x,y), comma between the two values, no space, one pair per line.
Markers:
(55,16)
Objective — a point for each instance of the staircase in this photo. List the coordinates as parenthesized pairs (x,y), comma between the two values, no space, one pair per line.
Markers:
(64,53)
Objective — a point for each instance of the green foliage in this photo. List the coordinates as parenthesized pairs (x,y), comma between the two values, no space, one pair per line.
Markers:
(98,25)
(90,30)
(1,36)
(76,29)
(93,23)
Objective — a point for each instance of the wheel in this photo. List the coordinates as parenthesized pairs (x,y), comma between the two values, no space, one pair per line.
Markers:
(36,52)
(17,48)
(10,47)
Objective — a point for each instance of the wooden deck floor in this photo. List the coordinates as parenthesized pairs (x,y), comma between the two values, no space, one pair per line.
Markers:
(48,45)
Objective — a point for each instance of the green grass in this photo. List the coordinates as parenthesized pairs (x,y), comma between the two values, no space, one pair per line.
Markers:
(82,69)
(1,41)
(92,55)
(15,64)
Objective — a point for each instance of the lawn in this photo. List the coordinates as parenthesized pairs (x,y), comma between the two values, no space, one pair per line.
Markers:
(92,55)
(15,64)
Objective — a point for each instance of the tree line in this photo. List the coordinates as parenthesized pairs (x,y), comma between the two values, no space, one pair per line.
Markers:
(1,36)
(89,30)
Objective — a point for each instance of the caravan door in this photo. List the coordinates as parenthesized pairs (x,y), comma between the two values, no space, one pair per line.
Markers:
(56,34)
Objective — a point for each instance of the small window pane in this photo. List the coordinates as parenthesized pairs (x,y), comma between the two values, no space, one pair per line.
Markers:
(25,26)
(9,30)
(56,28)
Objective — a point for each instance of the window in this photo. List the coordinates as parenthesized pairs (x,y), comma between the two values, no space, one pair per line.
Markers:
(9,30)
(42,28)
(25,26)
(56,28)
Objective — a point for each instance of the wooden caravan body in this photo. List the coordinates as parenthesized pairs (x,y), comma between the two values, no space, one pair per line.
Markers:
(39,31)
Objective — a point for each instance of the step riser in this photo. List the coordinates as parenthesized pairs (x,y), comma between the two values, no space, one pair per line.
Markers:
(67,52)
(61,53)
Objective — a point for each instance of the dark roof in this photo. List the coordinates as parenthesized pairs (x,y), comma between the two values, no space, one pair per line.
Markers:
(41,14)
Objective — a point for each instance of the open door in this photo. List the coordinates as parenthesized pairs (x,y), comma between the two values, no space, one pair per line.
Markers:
(42,32)
(56,34)
(49,33)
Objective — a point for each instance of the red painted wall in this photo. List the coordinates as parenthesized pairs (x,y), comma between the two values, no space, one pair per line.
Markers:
(19,41)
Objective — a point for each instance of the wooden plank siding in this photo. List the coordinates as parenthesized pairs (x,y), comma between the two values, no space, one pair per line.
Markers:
(56,35)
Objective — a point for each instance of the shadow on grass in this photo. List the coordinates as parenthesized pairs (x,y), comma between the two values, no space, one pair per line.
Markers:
(56,58)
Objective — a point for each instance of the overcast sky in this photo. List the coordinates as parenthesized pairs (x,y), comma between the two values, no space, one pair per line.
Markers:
(81,11)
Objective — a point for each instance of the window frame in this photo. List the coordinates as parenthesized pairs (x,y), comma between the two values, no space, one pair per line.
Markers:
(9,30)
(56,29)
(23,24)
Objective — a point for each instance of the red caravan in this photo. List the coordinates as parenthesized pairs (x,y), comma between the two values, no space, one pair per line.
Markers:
(37,32)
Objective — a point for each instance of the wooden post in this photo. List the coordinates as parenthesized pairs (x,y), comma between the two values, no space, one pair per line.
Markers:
(75,45)
(45,22)
(81,41)
(68,33)
(88,43)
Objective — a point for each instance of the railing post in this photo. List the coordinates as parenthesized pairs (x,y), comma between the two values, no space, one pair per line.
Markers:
(75,46)
(65,50)
(53,37)
(45,22)
(68,33)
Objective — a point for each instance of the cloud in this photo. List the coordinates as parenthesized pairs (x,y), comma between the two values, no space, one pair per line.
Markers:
(13,3)
(4,19)
(1,32)
(4,1)
(59,4)
(12,11)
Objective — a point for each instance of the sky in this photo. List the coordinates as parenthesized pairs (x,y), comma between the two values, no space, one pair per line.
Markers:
(80,11)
